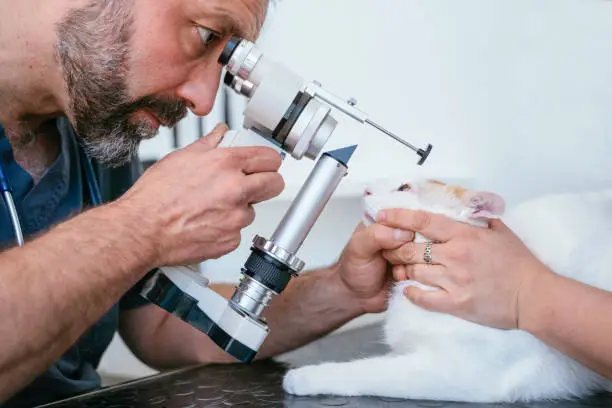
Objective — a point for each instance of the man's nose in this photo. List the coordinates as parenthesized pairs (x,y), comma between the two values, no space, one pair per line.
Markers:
(200,90)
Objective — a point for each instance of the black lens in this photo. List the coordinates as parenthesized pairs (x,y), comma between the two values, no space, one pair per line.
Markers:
(228,51)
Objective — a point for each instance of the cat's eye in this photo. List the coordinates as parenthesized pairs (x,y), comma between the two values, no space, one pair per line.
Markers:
(207,36)
(404,187)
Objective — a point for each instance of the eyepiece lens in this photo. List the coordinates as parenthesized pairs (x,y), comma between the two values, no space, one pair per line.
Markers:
(228,51)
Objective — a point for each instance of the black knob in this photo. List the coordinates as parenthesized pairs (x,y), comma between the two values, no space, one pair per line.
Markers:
(268,271)
(228,51)
(228,78)
(424,154)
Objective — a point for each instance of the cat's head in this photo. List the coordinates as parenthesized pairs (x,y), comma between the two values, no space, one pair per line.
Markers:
(456,202)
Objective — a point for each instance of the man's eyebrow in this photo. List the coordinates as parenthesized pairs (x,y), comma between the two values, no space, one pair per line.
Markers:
(229,25)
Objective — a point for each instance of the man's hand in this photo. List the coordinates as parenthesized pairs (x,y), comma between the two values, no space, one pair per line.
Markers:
(364,271)
(483,273)
(193,204)
(313,305)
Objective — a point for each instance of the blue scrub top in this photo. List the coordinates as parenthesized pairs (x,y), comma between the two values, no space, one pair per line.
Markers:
(61,193)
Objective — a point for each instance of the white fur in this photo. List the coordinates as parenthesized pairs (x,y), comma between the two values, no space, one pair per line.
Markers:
(440,357)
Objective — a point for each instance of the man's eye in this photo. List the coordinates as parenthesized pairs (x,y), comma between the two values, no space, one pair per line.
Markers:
(207,36)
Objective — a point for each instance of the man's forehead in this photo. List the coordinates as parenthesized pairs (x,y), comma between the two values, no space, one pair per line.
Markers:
(243,18)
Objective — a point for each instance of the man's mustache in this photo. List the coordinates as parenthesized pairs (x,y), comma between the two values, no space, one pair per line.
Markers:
(169,111)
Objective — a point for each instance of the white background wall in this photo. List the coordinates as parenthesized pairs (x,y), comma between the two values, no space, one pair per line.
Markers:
(515,95)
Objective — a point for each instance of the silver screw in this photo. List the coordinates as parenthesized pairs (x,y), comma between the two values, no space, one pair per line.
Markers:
(352,102)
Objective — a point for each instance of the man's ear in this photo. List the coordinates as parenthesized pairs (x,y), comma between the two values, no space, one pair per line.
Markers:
(484,204)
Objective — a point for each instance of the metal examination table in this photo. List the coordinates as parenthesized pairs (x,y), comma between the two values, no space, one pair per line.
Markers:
(256,385)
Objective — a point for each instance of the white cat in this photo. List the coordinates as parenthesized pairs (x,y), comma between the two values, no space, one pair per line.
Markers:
(441,357)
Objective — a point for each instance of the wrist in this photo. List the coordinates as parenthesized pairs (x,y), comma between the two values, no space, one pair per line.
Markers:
(343,293)
(132,235)
(532,299)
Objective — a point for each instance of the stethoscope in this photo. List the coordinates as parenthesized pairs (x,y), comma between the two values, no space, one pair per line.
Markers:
(7,193)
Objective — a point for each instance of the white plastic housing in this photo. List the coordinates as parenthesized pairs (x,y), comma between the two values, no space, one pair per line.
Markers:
(245,137)
(216,307)
(275,90)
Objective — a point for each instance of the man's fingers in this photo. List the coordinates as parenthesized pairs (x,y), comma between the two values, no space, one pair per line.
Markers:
(400,272)
(369,241)
(432,300)
(252,159)
(436,227)
(413,253)
(258,159)
(260,187)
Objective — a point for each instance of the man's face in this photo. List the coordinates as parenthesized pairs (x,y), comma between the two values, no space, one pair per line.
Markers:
(133,65)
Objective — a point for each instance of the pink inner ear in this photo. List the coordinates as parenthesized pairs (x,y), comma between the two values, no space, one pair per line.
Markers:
(485,204)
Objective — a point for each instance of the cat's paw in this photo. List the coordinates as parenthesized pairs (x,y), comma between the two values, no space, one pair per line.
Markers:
(299,381)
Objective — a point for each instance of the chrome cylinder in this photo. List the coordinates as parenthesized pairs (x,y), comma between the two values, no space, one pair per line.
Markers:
(308,205)
(251,297)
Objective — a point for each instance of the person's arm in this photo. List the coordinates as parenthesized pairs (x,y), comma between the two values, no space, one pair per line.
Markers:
(313,305)
(488,276)
(54,288)
(572,317)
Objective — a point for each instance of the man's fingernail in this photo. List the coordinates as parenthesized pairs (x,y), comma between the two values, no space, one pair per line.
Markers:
(381,216)
(402,235)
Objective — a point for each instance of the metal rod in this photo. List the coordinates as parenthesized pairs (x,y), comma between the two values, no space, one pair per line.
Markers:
(341,105)
(385,131)
(309,203)
(8,198)
(350,109)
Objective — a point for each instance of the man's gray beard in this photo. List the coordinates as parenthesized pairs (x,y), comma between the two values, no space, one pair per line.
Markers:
(93,49)
(115,146)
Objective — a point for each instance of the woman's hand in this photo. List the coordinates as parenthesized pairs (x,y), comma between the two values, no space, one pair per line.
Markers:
(481,272)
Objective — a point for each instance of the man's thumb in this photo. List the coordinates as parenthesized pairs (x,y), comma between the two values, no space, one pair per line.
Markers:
(367,242)
(213,139)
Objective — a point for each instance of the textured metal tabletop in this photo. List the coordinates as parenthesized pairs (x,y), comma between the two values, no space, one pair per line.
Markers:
(256,385)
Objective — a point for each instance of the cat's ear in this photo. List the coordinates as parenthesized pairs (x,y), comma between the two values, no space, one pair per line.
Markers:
(484,204)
